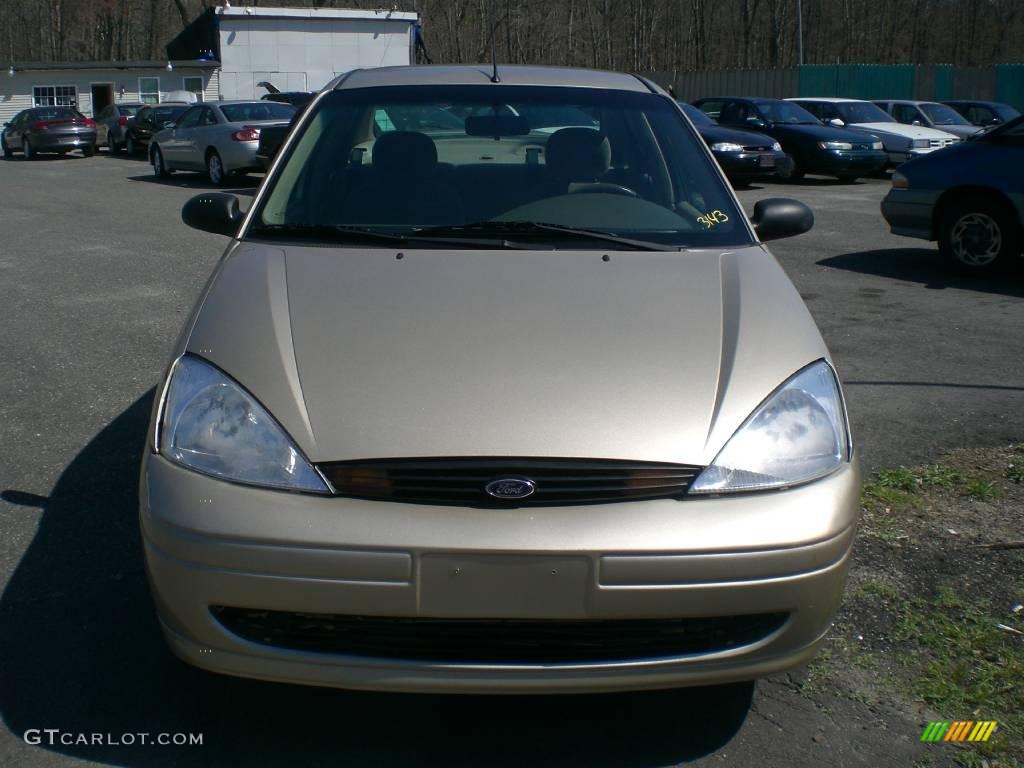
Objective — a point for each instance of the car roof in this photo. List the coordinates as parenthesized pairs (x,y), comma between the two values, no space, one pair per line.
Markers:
(480,74)
(914,102)
(982,102)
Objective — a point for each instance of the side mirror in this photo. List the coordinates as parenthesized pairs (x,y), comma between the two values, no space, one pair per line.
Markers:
(757,122)
(215,212)
(778,217)
(835,122)
(917,122)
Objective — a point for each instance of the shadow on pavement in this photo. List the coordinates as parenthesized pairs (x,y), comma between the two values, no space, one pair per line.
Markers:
(244,185)
(925,266)
(81,652)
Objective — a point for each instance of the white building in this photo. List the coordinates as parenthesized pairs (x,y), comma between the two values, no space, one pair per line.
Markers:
(296,49)
(92,85)
(223,55)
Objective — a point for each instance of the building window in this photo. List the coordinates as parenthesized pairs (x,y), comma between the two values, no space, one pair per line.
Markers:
(54,96)
(194,85)
(149,90)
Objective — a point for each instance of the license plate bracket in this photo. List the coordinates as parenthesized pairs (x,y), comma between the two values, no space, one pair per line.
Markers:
(503,586)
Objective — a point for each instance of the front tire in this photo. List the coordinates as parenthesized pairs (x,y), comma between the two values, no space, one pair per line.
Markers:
(160,170)
(27,151)
(215,169)
(88,151)
(8,152)
(978,236)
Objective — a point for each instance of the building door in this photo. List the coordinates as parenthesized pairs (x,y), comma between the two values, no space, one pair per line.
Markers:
(102,97)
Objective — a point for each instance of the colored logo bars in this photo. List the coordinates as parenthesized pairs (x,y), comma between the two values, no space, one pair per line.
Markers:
(959,730)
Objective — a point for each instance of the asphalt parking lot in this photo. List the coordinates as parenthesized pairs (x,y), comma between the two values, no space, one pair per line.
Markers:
(96,274)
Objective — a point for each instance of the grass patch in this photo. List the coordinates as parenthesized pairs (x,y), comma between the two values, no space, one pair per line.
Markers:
(967,667)
(983,490)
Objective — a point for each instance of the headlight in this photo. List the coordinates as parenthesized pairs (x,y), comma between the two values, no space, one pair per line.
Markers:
(212,425)
(835,145)
(797,434)
(725,146)
(920,143)
(776,147)
(899,181)
(877,145)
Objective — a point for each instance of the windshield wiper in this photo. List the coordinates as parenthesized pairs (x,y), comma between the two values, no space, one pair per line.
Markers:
(347,233)
(534,227)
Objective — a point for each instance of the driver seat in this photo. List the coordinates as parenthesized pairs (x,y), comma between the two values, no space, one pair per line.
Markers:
(576,155)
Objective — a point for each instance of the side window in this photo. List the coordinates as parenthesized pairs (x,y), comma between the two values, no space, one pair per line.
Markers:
(190,119)
(208,118)
(905,113)
(816,108)
(733,112)
(712,109)
(827,111)
(143,115)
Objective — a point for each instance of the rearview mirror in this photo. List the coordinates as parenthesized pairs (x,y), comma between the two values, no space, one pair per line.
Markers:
(835,122)
(778,217)
(215,212)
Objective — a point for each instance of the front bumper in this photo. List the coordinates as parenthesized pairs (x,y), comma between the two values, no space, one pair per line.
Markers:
(910,212)
(845,162)
(749,164)
(209,543)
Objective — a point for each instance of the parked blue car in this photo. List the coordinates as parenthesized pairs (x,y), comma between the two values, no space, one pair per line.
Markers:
(969,197)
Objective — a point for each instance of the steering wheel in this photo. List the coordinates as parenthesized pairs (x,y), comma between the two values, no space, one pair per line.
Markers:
(601,186)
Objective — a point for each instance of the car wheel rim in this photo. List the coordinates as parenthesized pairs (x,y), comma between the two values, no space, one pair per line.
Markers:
(216,172)
(976,239)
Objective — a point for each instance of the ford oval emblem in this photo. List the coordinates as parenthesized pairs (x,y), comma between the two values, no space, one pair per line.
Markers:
(510,488)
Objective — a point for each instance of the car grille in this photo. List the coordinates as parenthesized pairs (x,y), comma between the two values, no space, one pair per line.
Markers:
(462,481)
(935,143)
(757,149)
(497,641)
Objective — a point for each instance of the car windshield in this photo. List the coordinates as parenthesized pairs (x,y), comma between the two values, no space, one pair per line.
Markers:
(257,110)
(1004,112)
(697,117)
(786,112)
(55,113)
(854,112)
(628,168)
(940,114)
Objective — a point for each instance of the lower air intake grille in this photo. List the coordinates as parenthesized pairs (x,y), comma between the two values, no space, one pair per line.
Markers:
(463,481)
(497,641)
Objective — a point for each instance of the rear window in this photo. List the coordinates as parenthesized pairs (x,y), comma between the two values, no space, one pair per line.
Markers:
(401,160)
(129,110)
(257,110)
(55,113)
(166,114)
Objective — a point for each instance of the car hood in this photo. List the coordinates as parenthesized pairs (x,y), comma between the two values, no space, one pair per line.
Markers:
(713,134)
(899,129)
(655,356)
(815,132)
(963,131)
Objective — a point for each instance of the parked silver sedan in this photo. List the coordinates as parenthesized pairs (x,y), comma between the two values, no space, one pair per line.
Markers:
(220,138)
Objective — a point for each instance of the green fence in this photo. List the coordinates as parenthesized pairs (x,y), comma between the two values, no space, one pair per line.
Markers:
(929,82)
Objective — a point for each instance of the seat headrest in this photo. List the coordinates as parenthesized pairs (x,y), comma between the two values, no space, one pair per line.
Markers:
(578,154)
(404,152)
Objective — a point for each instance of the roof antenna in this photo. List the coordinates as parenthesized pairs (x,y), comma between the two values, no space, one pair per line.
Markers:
(494,55)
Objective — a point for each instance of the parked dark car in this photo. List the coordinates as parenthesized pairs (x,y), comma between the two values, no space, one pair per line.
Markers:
(112,124)
(743,155)
(812,147)
(150,121)
(273,136)
(984,113)
(969,197)
(48,129)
